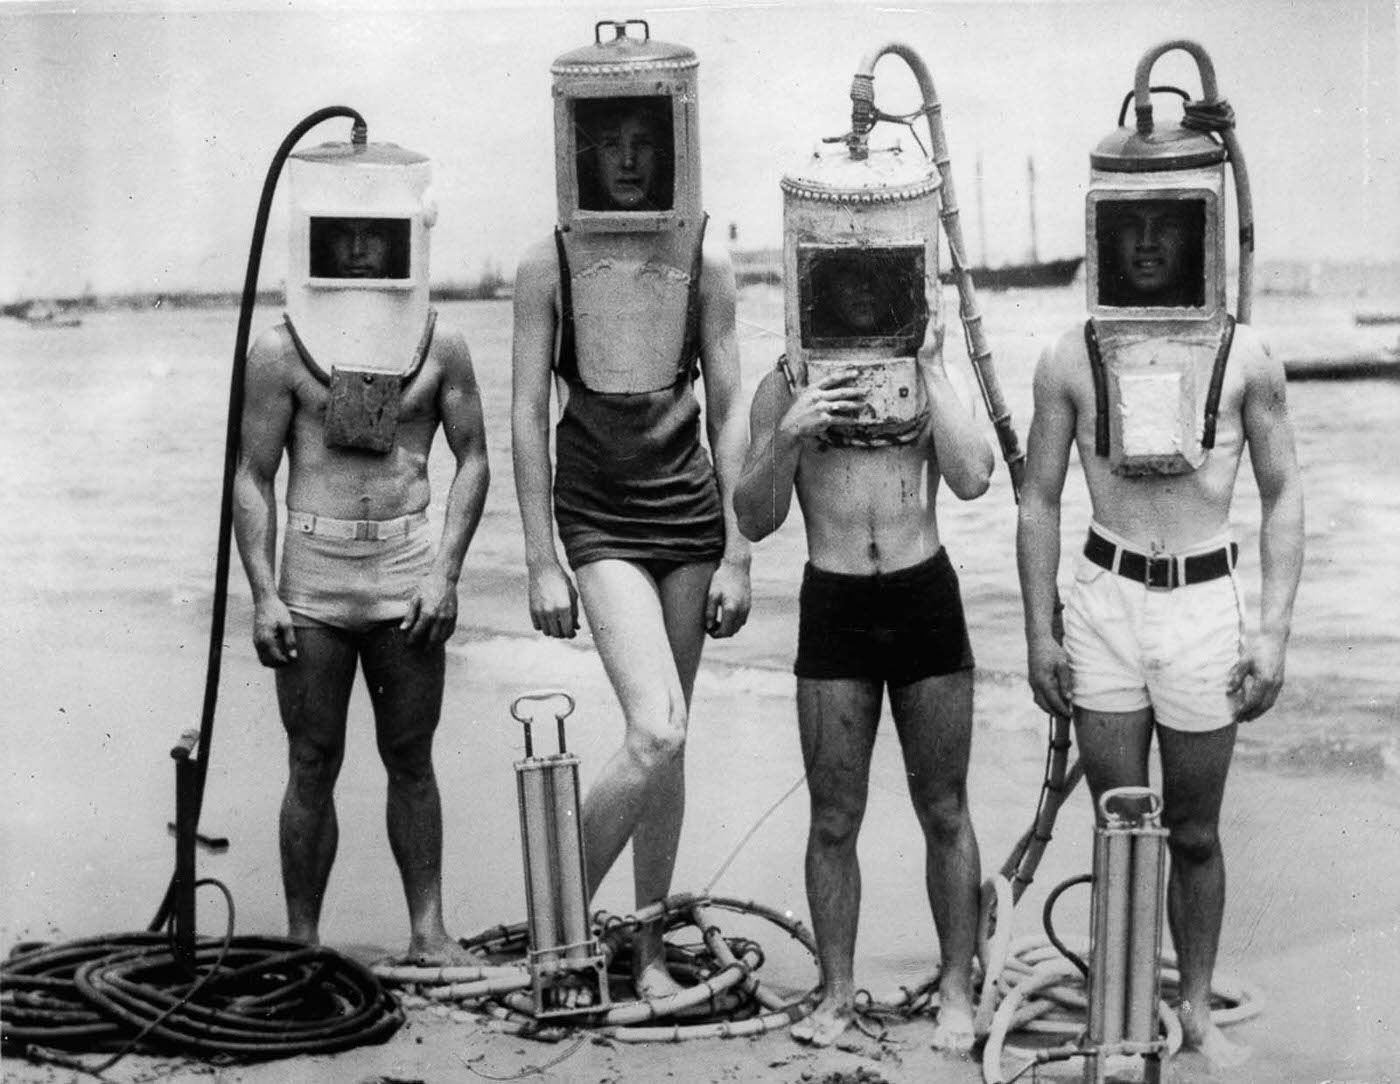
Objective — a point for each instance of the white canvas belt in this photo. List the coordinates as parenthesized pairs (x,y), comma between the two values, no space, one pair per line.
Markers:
(359,530)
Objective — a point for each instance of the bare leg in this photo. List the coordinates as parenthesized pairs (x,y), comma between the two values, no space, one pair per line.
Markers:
(405,686)
(313,695)
(657,837)
(837,721)
(934,719)
(649,639)
(1194,767)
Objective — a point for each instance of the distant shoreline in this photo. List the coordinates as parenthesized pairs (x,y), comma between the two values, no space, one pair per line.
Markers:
(486,290)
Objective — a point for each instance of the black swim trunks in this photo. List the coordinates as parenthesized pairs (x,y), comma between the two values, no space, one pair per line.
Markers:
(898,627)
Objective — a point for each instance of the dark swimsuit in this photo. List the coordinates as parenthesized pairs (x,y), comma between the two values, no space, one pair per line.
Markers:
(897,627)
(632,479)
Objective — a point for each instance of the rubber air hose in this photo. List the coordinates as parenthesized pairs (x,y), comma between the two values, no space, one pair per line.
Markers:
(359,135)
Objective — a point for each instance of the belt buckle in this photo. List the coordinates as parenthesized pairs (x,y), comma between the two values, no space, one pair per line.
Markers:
(366,531)
(1160,574)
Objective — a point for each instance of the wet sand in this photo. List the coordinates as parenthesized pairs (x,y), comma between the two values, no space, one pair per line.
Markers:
(97,698)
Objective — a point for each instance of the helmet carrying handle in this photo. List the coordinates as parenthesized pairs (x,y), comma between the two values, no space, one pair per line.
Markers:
(619,29)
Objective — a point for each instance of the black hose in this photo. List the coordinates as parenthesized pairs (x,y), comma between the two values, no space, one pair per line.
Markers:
(1047,915)
(231,439)
(255,998)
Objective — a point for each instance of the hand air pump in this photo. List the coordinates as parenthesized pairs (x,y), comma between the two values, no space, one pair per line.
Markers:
(1126,933)
(568,971)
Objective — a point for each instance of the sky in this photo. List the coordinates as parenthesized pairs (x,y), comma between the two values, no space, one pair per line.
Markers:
(134,138)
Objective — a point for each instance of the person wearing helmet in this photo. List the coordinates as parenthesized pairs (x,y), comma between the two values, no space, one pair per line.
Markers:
(353,387)
(864,423)
(1161,393)
(618,314)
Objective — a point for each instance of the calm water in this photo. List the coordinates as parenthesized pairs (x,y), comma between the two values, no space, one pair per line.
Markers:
(112,436)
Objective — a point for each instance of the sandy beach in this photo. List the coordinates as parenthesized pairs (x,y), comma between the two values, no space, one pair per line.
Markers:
(1311,921)
(105,567)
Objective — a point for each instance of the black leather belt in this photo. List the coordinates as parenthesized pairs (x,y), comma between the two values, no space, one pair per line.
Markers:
(1165,572)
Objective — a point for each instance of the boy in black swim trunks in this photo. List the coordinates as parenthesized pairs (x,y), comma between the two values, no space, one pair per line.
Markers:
(880,608)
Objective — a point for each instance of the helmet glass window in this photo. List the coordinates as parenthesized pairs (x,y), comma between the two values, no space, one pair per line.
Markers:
(1151,252)
(624,153)
(862,297)
(359,248)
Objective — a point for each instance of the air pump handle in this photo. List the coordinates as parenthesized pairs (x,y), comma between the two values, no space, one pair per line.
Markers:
(185,747)
(542,696)
(1139,807)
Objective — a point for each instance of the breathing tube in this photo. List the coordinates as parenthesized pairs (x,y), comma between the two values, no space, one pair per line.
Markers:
(1213,114)
(864,116)
(164,990)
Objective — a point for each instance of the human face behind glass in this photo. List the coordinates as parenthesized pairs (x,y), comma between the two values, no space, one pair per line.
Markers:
(856,300)
(1151,244)
(359,248)
(627,159)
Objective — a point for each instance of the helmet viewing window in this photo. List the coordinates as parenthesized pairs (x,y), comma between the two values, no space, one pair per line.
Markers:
(624,153)
(864,297)
(1151,252)
(373,249)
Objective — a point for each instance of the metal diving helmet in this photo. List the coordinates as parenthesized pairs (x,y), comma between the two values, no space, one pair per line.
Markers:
(1159,331)
(630,230)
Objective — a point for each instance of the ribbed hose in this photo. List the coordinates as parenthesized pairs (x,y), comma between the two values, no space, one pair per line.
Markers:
(863,116)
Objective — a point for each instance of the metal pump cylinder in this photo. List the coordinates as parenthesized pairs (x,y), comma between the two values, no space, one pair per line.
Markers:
(1125,927)
(562,946)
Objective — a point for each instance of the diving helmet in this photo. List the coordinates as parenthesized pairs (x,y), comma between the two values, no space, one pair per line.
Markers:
(1159,333)
(860,258)
(627,171)
(357,283)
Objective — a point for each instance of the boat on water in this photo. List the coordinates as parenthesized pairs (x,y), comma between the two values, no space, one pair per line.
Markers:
(1372,319)
(1383,364)
(1033,274)
(44,314)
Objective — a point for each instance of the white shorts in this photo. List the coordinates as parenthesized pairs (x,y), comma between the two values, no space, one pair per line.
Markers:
(353,584)
(1132,647)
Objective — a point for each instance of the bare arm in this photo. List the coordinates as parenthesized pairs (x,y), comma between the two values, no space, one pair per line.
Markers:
(553,598)
(763,496)
(1038,533)
(268,404)
(432,613)
(965,458)
(1269,434)
(728,432)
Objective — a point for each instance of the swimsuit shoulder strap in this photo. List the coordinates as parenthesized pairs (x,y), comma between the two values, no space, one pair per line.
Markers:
(1091,343)
(688,364)
(1217,382)
(566,362)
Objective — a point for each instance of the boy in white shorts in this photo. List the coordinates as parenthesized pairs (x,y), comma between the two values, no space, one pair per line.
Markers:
(1160,393)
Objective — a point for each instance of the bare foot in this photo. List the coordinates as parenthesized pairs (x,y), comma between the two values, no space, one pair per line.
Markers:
(650,975)
(441,951)
(654,981)
(1215,1051)
(825,1024)
(1200,1037)
(954,1034)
